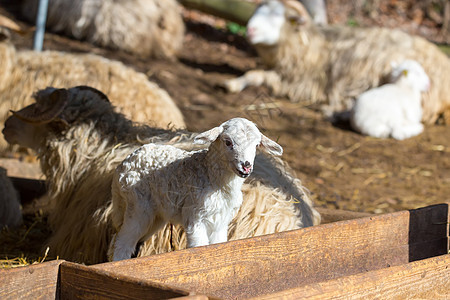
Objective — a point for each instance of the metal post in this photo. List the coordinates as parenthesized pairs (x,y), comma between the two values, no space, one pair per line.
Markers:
(40,25)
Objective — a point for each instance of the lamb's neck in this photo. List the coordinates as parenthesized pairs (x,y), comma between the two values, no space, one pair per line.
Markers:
(220,174)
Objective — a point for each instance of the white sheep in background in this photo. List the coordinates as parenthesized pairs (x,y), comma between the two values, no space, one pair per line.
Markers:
(80,140)
(332,65)
(393,109)
(10,212)
(200,190)
(24,72)
(142,27)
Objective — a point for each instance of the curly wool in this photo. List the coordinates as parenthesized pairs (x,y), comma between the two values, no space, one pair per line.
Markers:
(142,27)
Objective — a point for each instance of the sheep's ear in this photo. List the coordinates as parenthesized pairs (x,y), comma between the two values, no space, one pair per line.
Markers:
(270,146)
(208,136)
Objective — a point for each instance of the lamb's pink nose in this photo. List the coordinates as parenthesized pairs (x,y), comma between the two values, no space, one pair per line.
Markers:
(247,167)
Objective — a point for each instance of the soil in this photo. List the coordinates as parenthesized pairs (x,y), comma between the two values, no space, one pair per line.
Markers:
(341,168)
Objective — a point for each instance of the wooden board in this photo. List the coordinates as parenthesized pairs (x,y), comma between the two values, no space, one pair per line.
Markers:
(81,282)
(31,282)
(273,263)
(17,168)
(424,279)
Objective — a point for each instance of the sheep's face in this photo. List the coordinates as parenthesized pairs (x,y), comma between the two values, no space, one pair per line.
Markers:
(18,132)
(264,27)
(238,140)
(412,73)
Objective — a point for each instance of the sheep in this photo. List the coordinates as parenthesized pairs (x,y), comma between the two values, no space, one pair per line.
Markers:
(10,212)
(200,190)
(80,140)
(393,109)
(332,65)
(147,28)
(24,72)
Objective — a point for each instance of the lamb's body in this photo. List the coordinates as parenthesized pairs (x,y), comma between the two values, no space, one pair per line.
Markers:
(24,72)
(82,158)
(200,190)
(332,65)
(164,184)
(393,109)
(142,27)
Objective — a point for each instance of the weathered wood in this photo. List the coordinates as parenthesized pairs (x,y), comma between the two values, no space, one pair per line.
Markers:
(334,215)
(425,279)
(81,282)
(272,263)
(31,282)
(16,168)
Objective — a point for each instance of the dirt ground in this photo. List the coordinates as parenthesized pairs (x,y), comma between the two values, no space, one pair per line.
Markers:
(341,169)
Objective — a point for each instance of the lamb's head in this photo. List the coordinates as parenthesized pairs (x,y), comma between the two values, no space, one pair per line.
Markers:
(54,111)
(411,73)
(235,141)
(266,23)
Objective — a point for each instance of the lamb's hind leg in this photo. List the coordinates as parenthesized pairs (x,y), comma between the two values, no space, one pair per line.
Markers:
(407,131)
(136,225)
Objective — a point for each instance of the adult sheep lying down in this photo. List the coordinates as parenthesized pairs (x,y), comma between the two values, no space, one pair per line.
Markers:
(332,65)
(142,27)
(24,72)
(81,140)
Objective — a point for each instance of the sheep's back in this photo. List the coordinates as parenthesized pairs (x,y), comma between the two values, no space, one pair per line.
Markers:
(143,27)
(131,92)
(361,59)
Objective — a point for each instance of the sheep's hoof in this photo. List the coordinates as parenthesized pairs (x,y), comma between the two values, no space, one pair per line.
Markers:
(235,85)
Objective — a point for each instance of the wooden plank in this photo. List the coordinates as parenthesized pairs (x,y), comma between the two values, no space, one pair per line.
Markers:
(425,279)
(81,282)
(267,264)
(31,282)
(16,168)
(427,227)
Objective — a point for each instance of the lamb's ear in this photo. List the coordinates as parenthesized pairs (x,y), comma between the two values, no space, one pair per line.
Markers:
(208,136)
(270,146)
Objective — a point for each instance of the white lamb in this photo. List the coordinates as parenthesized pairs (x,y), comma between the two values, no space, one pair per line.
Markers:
(393,109)
(200,190)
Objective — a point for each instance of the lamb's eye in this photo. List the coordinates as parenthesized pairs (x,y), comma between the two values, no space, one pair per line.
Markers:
(229,143)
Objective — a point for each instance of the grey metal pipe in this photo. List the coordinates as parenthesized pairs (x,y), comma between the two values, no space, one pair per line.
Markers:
(40,25)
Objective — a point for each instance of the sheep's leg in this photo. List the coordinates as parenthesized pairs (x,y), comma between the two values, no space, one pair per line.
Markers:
(197,235)
(254,78)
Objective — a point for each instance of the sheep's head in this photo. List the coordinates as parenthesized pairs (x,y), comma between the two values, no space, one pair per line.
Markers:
(264,27)
(238,140)
(410,72)
(54,110)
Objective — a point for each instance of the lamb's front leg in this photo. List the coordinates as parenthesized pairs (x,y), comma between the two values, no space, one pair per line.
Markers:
(219,235)
(197,235)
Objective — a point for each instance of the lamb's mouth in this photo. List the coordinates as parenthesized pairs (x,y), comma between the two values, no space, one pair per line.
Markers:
(242,174)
